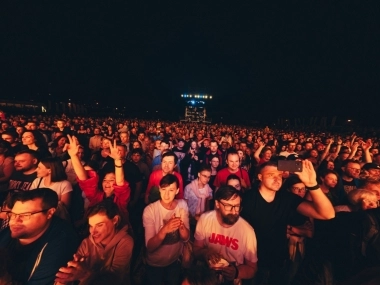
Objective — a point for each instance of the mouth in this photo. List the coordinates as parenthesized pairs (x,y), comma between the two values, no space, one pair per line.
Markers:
(16,228)
(95,236)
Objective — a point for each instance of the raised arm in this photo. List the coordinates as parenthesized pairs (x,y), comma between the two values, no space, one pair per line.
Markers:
(320,207)
(72,150)
(366,147)
(256,155)
(354,149)
(119,171)
(327,150)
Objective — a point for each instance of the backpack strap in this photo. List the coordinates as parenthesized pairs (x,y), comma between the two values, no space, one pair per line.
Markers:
(39,183)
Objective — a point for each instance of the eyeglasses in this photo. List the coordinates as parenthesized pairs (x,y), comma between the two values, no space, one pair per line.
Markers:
(23,216)
(354,169)
(229,207)
(372,202)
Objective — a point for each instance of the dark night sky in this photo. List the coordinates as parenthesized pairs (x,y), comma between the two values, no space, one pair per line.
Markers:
(311,57)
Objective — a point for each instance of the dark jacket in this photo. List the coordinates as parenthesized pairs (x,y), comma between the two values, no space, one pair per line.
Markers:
(46,255)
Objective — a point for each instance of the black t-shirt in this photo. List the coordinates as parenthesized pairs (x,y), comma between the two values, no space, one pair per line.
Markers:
(20,181)
(269,220)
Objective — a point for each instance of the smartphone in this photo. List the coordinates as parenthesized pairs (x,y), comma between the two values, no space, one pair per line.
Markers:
(290,165)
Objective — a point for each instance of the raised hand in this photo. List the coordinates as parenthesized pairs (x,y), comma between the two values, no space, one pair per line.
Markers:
(367,145)
(261,143)
(114,151)
(307,175)
(73,146)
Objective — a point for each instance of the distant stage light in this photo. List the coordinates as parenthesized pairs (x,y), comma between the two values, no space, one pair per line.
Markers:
(210,97)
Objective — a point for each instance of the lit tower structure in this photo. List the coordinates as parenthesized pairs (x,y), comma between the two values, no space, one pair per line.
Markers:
(195,110)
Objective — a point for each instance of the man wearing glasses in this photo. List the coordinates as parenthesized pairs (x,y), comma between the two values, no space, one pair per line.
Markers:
(225,240)
(350,179)
(38,242)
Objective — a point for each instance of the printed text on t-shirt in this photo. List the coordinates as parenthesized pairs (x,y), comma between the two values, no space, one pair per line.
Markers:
(233,243)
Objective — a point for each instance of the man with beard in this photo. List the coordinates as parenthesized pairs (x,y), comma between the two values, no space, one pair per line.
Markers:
(350,179)
(269,211)
(25,171)
(222,236)
(37,242)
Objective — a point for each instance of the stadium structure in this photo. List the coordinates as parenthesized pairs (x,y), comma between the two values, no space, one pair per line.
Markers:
(195,108)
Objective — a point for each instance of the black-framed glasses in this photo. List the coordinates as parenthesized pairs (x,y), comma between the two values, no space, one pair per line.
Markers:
(23,216)
(229,207)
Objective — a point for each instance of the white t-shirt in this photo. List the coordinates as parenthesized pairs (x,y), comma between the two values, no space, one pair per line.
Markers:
(60,188)
(155,217)
(235,243)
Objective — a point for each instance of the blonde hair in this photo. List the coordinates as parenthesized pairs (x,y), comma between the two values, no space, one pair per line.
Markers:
(356,196)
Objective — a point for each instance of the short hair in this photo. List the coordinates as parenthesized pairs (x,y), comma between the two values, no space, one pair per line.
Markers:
(347,161)
(108,208)
(57,170)
(49,197)
(233,177)
(357,195)
(31,152)
(122,145)
(204,167)
(226,192)
(169,179)
(214,141)
(170,153)
(265,164)
(232,152)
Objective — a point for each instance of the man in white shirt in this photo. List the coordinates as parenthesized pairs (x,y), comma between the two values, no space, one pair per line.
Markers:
(222,235)
(290,149)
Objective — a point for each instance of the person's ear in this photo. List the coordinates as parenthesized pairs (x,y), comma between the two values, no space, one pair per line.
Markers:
(217,206)
(260,177)
(116,220)
(176,192)
(51,212)
(34,161)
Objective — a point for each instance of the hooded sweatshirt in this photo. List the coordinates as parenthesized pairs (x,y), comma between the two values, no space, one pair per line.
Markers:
(114,257)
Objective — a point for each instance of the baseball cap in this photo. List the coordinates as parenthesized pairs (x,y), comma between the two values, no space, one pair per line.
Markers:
(369,166)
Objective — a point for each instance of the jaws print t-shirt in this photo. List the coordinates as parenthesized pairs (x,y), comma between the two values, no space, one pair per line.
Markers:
(235,243)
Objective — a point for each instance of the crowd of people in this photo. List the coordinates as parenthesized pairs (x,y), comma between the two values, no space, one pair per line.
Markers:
(114,201)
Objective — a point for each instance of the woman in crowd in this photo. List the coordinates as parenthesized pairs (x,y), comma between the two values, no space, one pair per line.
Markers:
(262,154)
(360,200)
(110,133)
(108,248)
(35,141)
(100,156)
(297,234)
(52,175)
(111,186)
(57,149)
